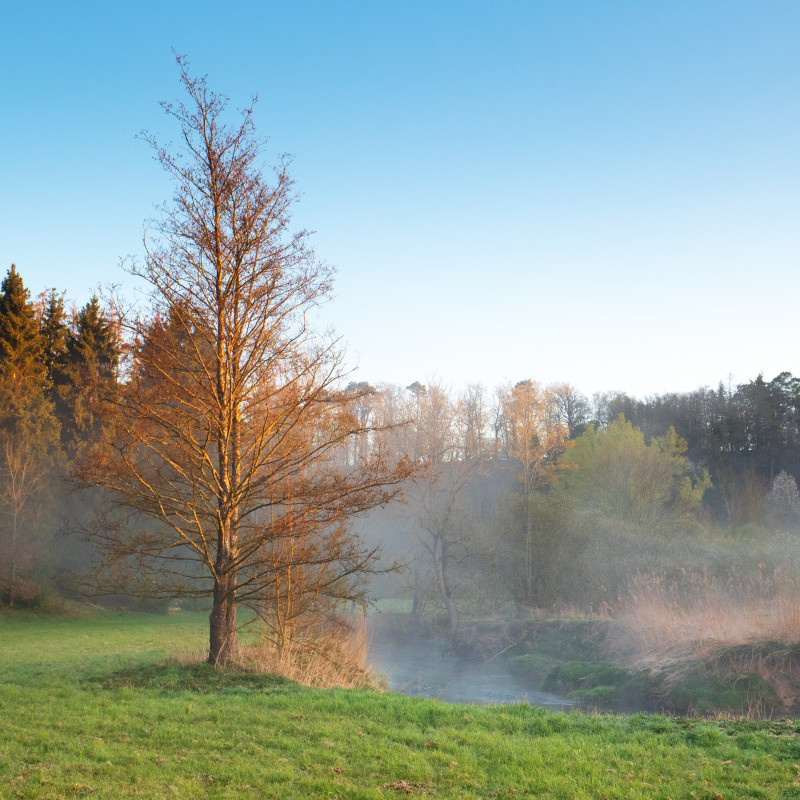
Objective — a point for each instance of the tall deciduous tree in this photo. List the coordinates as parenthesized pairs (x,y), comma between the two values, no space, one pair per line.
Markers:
(533,439)
(441,521)
(571,408)
(225,434)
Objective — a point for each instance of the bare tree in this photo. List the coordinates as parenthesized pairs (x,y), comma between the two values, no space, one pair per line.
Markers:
(448,436)
(570,406)
(222,444)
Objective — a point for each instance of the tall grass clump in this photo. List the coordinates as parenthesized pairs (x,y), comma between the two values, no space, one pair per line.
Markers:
(695,615)
(330,653)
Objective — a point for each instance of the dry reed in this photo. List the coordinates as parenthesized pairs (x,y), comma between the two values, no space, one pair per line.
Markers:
(667,621)
(328,656)
(335,656)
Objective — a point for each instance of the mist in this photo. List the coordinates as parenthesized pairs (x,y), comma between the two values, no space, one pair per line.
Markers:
(609,552)
(647,560)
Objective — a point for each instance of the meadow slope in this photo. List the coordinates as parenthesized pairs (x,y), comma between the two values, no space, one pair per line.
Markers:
(100,707)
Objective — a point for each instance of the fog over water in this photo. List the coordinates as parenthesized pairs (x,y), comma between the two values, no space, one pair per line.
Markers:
(427,667)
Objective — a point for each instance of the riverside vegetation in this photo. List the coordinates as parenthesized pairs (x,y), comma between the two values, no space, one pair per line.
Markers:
(108,705)
(688,646)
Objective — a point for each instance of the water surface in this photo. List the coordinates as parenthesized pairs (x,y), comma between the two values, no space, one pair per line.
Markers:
(426,667)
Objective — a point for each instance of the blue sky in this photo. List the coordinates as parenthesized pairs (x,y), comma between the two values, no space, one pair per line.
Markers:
(601,193)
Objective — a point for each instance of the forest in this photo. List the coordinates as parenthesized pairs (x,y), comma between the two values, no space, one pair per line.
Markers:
(529,496)
(208,449)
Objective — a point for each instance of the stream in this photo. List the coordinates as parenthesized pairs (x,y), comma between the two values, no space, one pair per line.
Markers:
(425,667)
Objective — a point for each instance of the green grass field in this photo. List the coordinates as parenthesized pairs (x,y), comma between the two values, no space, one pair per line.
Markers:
(96,707)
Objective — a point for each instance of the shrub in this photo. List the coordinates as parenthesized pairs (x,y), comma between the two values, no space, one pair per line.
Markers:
(20,591)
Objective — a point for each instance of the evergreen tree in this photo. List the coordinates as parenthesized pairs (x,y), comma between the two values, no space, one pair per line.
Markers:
(92,358)
(54,333)
(29,438)
(22,372)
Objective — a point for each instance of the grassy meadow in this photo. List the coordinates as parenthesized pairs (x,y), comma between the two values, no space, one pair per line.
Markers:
(111,706)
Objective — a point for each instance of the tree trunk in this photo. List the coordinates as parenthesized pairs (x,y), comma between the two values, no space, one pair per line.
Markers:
(416,602)
(440,549)
(223,639)
(528,551)
(12,585)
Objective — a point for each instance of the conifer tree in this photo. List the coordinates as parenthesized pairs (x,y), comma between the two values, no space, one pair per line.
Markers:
(29,437)
(92,358)
(54,332)
(23,374)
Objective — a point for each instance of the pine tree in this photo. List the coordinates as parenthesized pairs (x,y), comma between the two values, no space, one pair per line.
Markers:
(22,373)
(92,358)
(29,438)
(54,333)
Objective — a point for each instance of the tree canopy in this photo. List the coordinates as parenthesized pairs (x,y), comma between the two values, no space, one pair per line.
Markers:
(617,471)
(219,452)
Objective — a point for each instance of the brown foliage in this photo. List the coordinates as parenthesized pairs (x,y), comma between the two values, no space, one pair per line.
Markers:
(13,589)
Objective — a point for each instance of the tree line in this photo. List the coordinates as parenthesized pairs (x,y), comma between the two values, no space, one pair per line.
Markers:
(746,435)
(507,493)
(538,496)
(220,452)
(53,364)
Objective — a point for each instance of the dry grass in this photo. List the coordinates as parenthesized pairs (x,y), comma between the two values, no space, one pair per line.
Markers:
(333,655)
(665,621)
(327,656)
(185,657)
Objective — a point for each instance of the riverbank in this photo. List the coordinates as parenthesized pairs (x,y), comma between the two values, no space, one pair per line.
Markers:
(591,665)
(102,707)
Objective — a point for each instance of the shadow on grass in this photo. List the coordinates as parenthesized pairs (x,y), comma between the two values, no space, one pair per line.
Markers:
(201,678)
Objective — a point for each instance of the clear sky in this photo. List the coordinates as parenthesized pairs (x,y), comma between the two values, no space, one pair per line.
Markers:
(604,193)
